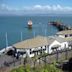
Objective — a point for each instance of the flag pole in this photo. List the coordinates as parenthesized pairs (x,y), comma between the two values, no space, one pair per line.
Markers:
(45,32)
(6,41)
(34,34)
(21,36)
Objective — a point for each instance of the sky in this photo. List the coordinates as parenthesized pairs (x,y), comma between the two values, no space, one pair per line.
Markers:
(20,7)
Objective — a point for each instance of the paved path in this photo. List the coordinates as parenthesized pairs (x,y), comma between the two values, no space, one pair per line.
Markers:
(7,62)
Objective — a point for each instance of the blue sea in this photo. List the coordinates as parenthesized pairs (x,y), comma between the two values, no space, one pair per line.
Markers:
(14,25)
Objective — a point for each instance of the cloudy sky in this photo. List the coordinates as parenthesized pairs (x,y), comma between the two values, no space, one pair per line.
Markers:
(21,7)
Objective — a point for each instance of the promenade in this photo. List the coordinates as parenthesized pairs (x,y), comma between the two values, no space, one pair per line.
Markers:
(9,62)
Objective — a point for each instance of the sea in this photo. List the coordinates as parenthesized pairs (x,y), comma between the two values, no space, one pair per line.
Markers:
(17,29)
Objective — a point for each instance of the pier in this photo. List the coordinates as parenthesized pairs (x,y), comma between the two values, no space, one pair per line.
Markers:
(60,26)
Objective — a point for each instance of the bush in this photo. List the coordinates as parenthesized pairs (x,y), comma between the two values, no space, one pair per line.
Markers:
(45,68)
(20,69)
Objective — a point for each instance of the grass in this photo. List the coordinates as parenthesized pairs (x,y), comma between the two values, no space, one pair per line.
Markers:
(44,68)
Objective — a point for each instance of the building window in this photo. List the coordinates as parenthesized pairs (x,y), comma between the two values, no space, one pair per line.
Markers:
(45,48)
(21,53)
(70,34)
(66,35)
(30,51)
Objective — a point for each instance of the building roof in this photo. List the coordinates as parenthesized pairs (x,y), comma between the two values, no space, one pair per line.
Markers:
(65,32)
(39,41)
(34,42)
(59,39)
(50,40)
(68,39)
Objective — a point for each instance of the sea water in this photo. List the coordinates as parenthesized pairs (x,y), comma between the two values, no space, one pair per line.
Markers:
(14,25)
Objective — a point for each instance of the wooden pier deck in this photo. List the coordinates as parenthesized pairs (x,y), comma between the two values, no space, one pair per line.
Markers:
(60,26)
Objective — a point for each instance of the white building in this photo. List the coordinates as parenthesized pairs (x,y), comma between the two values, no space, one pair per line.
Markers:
(39,45)
(59,43)
(65,33)
(32,47)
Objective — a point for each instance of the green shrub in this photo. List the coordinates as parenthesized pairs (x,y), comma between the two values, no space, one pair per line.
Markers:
(20,69)
(27,69)
(45,68)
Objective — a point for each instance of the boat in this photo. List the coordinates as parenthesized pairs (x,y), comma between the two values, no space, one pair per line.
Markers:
(30,24)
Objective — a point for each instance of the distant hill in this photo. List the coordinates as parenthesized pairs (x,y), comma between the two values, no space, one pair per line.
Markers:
(36,14)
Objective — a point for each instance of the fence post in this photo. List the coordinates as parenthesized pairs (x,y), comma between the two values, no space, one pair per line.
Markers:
(57,55)
(66,54)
